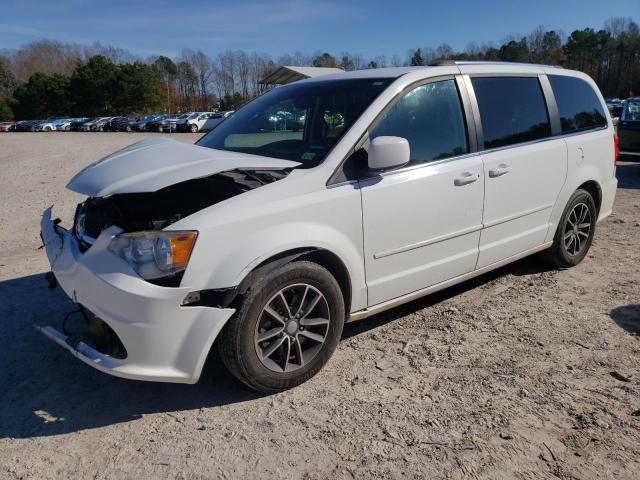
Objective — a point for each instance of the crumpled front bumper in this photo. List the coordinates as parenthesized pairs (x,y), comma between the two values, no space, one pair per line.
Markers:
(164,341)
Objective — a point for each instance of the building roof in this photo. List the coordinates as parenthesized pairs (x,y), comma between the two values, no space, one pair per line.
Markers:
(288,74)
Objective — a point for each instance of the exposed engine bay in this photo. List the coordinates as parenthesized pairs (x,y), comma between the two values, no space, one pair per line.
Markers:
(156,210)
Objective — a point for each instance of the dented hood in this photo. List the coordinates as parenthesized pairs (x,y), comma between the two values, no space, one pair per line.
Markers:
(158,162)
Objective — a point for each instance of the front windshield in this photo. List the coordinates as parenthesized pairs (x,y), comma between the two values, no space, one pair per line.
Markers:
(299,122)
(632,111)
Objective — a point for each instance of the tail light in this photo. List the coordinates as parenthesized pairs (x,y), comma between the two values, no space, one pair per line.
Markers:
(616,150)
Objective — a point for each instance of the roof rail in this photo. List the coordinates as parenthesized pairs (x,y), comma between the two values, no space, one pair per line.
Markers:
(439,63)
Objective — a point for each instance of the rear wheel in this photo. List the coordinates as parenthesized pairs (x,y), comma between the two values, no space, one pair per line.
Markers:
(193,128)
(286,329)
(575,231)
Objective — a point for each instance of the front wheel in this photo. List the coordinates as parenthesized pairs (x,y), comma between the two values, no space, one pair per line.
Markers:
(575,231)
(286,329)
(193,128)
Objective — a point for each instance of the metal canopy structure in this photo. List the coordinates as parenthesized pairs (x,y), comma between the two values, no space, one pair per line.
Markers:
(283,75)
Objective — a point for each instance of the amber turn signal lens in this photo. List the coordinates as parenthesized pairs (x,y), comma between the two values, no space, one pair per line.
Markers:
(181,247)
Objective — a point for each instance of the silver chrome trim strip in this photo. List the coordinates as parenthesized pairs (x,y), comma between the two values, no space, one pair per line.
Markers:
(459,233)
(516,216)
(431,241)
(381,307)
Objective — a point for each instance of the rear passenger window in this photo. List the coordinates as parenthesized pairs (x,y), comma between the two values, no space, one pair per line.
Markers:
(512,110)
(430,118)
(578,105)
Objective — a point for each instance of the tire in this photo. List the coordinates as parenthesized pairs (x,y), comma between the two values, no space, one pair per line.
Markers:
(564,252)
(47,129)
(193,128)
(238,344)
(128,128)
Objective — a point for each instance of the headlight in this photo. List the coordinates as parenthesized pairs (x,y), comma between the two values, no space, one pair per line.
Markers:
(155,254)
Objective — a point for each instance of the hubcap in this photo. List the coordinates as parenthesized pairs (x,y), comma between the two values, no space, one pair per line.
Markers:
(292,328)
(577,229)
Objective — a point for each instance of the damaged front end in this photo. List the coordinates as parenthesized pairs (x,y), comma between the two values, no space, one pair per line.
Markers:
(134,212)
(154,211)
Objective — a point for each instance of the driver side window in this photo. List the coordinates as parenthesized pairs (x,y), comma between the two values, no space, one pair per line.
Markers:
(430,117)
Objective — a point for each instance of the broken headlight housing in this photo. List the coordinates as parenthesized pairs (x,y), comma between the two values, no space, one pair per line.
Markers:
(155,254)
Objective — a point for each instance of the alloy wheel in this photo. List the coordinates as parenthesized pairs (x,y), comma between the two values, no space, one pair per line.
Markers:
(292,328)
(577,229)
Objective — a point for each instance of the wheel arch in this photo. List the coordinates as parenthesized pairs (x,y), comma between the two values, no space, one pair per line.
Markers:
(228,297)
(595,191)
(323,257)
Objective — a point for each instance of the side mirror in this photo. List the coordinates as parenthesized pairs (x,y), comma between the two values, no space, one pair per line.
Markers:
(388,152)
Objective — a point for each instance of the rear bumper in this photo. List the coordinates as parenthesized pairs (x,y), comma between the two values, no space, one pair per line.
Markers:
(164,341)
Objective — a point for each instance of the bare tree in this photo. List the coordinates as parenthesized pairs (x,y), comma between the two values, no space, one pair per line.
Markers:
(616,26)
(261,65)
(243,67)
(202,68)
(47,57)
(395,60)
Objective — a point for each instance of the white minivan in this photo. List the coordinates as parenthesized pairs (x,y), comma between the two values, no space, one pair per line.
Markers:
(261,241)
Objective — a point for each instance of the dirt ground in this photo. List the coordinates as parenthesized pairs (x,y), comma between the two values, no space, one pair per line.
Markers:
(507,376)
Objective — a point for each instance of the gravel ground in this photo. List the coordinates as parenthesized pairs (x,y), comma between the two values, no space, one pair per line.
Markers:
(512,375)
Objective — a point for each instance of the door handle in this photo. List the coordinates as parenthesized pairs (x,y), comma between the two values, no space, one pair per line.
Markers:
(465,179)
(499,170)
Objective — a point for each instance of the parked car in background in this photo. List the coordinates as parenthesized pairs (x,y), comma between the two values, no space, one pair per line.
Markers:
(111,124)
(53,124)
(194,122)
(167,123)
(77,123)
(614,105)
(262,244)
(26,125)
(88,125)
(141,124)
(64,125)
(214,120)
(6,126)
(629,128)
(99,125)
(124,124)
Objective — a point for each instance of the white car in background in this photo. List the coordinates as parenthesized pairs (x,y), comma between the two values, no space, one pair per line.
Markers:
(214,120)
(52,124)
(401,182)
(193,121)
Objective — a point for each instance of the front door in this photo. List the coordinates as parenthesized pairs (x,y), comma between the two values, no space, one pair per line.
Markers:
(422,222)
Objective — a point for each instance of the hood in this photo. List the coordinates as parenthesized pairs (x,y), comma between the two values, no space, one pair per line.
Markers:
(159,162)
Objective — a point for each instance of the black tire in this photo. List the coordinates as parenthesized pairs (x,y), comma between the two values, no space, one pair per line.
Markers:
(560,255)
(193,128)
(236,343)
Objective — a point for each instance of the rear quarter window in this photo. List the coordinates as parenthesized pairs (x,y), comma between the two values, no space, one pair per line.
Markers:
(578,104)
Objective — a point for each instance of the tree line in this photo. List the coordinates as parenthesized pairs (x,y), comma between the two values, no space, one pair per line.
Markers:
(49,78)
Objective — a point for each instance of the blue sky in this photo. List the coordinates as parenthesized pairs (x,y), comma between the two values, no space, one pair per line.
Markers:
(368,28)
